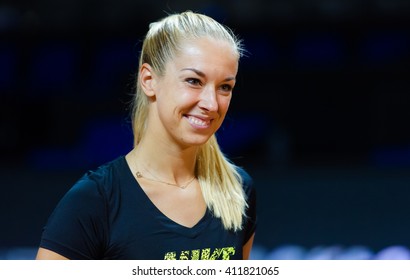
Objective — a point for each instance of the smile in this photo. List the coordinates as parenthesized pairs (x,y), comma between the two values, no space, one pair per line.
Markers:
(198,122)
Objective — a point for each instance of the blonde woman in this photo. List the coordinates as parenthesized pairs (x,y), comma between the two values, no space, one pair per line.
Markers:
(174,195)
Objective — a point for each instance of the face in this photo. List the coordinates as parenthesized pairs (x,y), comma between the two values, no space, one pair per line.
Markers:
(193,96)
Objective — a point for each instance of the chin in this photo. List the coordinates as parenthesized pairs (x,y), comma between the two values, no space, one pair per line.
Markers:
(196,141)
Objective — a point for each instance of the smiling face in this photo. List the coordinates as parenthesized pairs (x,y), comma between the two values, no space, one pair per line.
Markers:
(191,99)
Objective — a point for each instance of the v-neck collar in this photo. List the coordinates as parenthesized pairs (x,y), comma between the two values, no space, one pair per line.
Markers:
(157,214)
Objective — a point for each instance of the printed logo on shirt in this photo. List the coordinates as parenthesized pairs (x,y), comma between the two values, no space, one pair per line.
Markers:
(202,254)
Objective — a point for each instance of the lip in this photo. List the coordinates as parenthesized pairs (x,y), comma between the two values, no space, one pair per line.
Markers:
(199,122)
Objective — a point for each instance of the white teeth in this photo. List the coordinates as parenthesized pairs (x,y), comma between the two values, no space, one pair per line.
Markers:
(197,121)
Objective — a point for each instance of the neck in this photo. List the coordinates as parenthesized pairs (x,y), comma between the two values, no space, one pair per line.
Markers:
(164,161)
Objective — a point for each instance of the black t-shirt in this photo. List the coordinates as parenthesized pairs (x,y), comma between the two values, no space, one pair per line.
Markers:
(106,215)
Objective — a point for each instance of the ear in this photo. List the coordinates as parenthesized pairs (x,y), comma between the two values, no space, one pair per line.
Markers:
(147,79)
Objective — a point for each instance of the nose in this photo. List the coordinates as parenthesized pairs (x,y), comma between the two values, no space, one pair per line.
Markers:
(209,100)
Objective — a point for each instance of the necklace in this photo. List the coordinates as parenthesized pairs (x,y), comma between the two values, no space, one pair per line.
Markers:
(183,186)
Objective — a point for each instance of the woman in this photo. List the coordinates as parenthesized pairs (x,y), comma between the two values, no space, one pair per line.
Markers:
(174,195)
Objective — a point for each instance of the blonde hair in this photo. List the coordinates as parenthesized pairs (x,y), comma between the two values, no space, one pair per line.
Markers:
(219,179)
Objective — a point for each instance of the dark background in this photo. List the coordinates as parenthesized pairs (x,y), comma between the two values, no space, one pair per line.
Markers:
(320,115)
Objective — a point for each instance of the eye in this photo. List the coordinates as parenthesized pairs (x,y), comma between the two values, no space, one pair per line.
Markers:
(193,81)
(227,87)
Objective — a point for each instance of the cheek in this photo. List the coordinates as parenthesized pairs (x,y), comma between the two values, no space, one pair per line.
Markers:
(223,104)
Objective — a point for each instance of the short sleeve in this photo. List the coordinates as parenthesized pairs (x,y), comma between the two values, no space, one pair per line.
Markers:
(250,222)
(77,227)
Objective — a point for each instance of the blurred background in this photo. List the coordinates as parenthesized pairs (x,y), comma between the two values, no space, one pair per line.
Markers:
(319,118)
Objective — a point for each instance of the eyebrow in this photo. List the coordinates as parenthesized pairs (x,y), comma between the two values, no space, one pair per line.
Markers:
(202,74)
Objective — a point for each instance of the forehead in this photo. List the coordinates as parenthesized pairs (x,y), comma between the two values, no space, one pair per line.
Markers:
(207,52)
(189,45)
